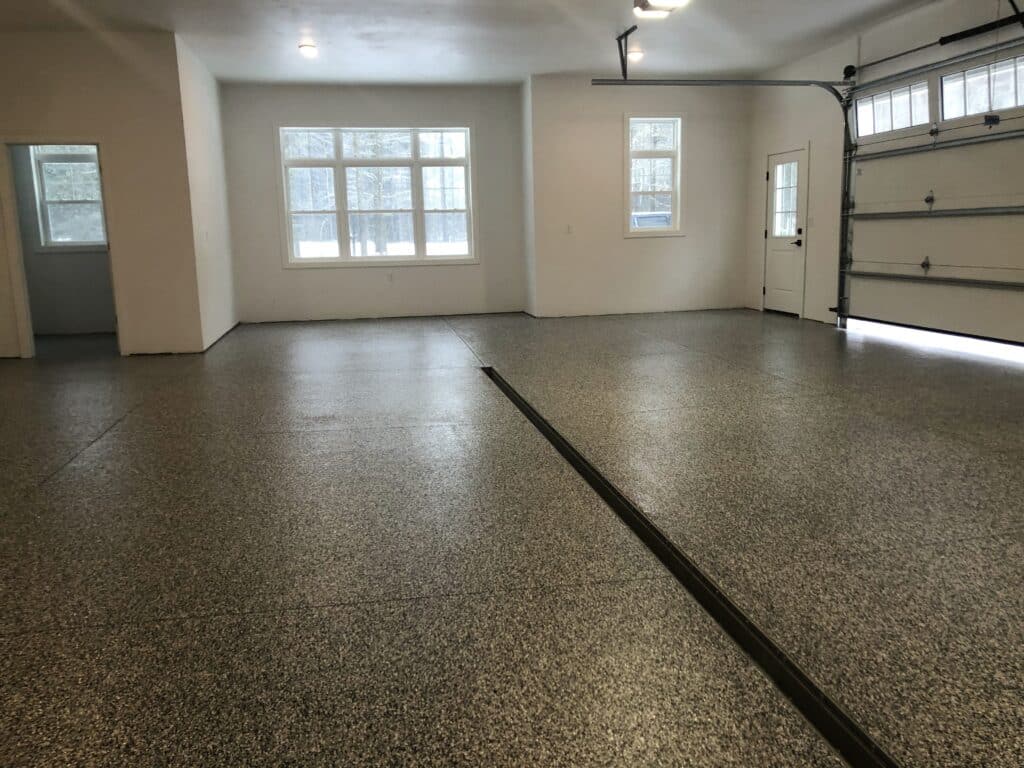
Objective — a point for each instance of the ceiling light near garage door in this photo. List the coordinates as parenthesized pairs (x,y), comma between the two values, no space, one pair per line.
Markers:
(656,9)
(635,56)
(308,49)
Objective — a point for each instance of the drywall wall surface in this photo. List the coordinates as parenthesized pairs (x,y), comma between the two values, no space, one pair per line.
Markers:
(584,263)
(529,219)
(120,91)
(70,290)
(204,149)
(268,290)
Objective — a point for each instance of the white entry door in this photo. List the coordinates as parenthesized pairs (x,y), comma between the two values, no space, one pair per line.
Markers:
(785,241)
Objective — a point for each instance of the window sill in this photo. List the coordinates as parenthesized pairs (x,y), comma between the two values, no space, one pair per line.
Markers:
(372,263)
(72,248)
(654,233)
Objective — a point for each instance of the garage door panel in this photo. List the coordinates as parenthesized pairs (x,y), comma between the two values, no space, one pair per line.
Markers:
(989,312)
(967,245)
(975,176)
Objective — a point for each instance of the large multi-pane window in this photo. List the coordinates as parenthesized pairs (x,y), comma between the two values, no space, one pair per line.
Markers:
(386,194)
(893,110)
(983,89)
(654,173)
(68,195)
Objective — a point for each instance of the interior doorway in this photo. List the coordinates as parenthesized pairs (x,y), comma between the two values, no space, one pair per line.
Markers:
(785,233)
(62,233)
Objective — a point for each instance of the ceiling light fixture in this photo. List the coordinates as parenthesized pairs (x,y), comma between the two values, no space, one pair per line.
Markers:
(635,56)
(656,9)
(308,49)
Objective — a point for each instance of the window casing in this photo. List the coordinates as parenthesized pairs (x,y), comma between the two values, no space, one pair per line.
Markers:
(69,197)
(377,195)
(988,88)
(893,110)
(653,173)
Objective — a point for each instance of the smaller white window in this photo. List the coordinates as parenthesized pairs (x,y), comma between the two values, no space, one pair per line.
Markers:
(983,89)
(654,172)
(68,195)
(893,110)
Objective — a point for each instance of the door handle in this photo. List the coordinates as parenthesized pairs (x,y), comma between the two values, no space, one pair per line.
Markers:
(797,243)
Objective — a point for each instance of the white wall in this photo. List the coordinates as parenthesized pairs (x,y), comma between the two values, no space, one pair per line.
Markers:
(70,291)
(268,291)
(793,118)
(583,262)
(204,149)
(529,218)
(119,91)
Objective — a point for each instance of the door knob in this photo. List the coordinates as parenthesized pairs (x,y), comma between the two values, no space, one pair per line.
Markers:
(797,243)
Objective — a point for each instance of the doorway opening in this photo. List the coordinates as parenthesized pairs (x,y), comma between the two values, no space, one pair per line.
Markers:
(58,195)
(785,233)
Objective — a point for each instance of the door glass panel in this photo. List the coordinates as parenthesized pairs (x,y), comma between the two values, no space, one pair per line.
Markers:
(786,184)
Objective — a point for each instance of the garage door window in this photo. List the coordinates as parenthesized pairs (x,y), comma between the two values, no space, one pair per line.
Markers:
(893,110)
(377,195)
(983,89)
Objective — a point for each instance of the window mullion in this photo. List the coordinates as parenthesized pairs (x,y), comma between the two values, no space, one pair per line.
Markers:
(341,201)
(419,223)
(419,217)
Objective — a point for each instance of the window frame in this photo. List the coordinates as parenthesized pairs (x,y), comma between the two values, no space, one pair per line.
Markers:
(897,133)
(678,193)
(46,241)
(968,120)
(340,164)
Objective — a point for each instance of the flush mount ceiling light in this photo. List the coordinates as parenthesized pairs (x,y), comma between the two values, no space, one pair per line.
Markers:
(308,49)
(656,9)
(635,56)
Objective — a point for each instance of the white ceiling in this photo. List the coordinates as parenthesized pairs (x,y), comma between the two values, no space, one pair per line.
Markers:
(413,41)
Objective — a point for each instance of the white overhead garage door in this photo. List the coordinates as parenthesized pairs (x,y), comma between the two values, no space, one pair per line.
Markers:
(937,232)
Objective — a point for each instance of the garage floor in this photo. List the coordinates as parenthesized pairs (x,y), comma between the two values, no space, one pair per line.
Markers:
(339,543)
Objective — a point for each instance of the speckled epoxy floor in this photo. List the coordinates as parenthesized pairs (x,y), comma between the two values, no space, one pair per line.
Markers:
(860,499)
(338,543)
